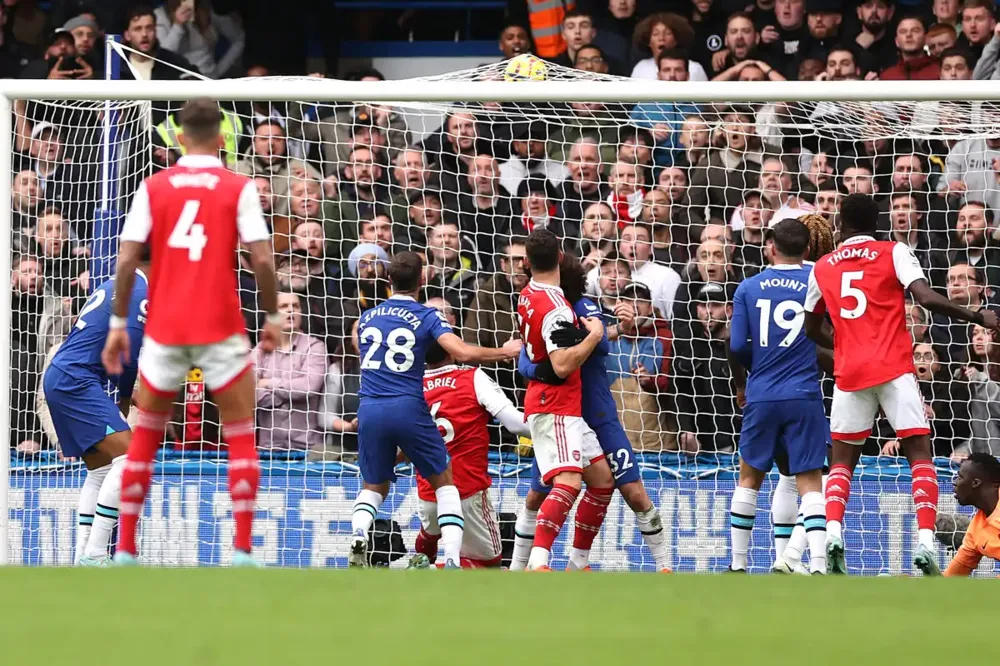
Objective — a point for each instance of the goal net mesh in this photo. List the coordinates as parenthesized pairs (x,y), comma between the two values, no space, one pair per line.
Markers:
(657,200)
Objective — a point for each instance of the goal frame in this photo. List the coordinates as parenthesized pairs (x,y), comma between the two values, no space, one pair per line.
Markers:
(401,92)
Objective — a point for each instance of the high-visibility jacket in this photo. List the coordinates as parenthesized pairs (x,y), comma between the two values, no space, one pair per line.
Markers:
(545,18)
(230,127)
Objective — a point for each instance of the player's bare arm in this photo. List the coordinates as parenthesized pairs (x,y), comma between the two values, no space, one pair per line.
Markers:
(116,347)
(739,375)
(818,330)
(262,263)
(938,304)
(565,361)
(825,359)
(463,352)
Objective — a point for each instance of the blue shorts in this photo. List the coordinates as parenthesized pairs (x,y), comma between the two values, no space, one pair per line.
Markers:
(385,424)
(82,413)
(617,449)
(794,429)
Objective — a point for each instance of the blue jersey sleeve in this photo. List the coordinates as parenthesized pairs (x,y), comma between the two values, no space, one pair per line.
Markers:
(437,323)
(586,308)
(525,366)
(739,328)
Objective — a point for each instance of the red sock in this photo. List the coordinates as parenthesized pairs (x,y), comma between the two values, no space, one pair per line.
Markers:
(552,514)
(925,493)
(838,491)
(244,477)
(427,544)
(590,516)
(138,472)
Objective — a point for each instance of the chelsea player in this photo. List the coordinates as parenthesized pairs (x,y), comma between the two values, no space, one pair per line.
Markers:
(783,413)
(88,423)
(393,414)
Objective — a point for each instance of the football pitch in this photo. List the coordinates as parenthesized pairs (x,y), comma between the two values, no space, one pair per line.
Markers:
(201,617)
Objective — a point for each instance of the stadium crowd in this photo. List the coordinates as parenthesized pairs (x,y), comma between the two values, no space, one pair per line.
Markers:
(664,203)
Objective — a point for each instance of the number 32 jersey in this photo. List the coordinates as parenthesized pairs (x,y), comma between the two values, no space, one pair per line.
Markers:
(861,285)
(193,216)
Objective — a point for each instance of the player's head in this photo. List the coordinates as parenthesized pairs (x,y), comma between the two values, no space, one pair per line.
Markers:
(542,248)
(572,278)
(858,215)
(200,120)
(978,477)
(437,356)
(788,241)
(406,272)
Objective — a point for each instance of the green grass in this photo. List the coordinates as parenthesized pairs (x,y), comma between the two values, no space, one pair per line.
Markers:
(148,617)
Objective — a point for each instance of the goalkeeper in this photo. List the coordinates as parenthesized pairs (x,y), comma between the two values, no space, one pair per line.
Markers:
(978,484)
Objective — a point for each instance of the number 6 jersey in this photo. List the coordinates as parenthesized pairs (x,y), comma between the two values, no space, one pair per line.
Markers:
(193,216)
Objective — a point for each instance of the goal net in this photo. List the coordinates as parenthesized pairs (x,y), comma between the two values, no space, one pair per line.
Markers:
(664,203)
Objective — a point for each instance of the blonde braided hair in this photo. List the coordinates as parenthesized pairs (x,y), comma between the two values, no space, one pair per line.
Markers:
(820,236)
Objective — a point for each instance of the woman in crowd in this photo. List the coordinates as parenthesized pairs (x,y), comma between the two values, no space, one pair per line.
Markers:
(659,32)
(192,29)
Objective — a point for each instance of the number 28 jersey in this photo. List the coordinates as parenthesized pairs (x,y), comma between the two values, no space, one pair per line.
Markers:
(193,216)
(861,285)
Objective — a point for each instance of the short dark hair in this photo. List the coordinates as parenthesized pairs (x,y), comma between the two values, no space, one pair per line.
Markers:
(790,237)
(577,13)
(200,119)
(572,278)
(404,271)
(859,214)
(515,240)
(358,74)
(988,465)
(590,46)
(542,248)
(435,353)
(953,51)
(671,54)
(269,122)
(977,273)
(138,11)
(740,15)
(987,211)
(843,48)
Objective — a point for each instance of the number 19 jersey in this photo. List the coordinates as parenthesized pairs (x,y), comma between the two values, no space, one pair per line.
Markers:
(193,216)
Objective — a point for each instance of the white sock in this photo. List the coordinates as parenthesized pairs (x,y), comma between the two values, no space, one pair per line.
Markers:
(784,509)
(741,516)
(106,512)
(814,521)
(926,538)
(578,559)
(365,509)
(651,529)
(524,536)
(834,529)
(796,544)
(539,558)
(451,523)
(85,508)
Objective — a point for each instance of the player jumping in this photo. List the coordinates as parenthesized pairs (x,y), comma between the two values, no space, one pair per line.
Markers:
(862,286)
(88,422)
(394,337)
(566,449)
(193,216)
(463,401)
(783,413)
(601,414)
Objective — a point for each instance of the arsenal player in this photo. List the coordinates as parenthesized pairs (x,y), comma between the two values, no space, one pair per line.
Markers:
(566,449)
(861,286)
(193,216)
(462,401)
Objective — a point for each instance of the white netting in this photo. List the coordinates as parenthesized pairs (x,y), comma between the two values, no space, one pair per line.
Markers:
(457,182)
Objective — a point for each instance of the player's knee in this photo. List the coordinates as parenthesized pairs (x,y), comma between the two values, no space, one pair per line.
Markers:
(442,479)
(115,444)
(916,447)
(571,479)
(533,500)
(635,495)
(809,482)
(598,475)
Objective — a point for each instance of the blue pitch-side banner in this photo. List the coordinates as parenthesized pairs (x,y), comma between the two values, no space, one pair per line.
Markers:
(304,521)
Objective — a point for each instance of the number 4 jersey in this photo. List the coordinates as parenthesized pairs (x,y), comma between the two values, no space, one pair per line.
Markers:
(861,285)
(194,216)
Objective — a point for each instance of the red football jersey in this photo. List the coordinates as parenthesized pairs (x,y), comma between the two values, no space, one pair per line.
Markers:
(861,284)
(462,402)
(193,216)
(540,308)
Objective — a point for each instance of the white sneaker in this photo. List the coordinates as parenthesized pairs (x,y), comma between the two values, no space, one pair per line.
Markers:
(359,551)
(782,567)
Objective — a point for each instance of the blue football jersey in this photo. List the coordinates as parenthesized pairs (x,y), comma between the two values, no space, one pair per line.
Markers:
(768,337)
(394,337)
(83,346)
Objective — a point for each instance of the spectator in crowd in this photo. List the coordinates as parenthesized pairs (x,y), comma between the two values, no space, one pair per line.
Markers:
(978,23)
(528,158)
(983,375)
(615,29)
(907,226)
(875,39)
(732,164)
(514,40)
(918,322)
(297,271)
(660,31)
(25,200)
(538,211)
(971,245)
(593,123)
(453,148)
(673,181)
(590,58)
(971,170)
(708,20)
(783,43)
(485,212)
(63,182)
(290,384)
(778,199)
(859,178)
(377,230)
(308,237)
(966,287)
(823,19)
(148,60)
(986,67)
(14,55)
(451,265)
(60,62)
(914,61)
(828,203)
(193,30)
(613,274)
(741,42)
(410,174)
(694,139)
(598,235)
(657,213)
(664,119)
(584,187)
(939,39)
(638,366)
(375,126)
(636,247)
(425,211)
(305,202)
(947,12)
(361,193)
(712,263)
(27,282)
(625,182)
(749,242)
(577,31)
(948,116)
(367,283)
(87,36)
(706,407)
(339,415)
(635,146)
(269,158)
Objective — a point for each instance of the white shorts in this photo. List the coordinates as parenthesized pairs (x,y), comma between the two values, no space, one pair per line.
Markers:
(853,412)
(562,444)
(164,367)
(481,541)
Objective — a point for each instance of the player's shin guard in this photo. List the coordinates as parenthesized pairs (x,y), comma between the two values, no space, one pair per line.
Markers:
(524,536)
(651,529)
(427,544)
(451,523)
(86,506)
(106,513)
(589,518)
(146,439)
(365,509)
(838,492)
(742,512)
(925,498)
(244,478)
(551,517)
(798,541)
(814,522)
(784,509)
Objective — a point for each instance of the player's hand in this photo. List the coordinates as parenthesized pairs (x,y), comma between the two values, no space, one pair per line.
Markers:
(269,336)
(567,335)
(990,320)
(116,351)
(625,313)
(545,373)
(594,326)
(890,448)
(741,398)
(512,348)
